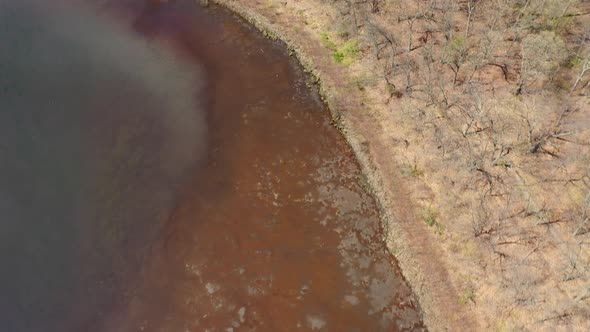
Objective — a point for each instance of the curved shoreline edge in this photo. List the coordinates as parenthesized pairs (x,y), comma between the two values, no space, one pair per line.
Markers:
(407,237)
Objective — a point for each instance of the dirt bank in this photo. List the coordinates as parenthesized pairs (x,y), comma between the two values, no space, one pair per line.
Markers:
(409,238)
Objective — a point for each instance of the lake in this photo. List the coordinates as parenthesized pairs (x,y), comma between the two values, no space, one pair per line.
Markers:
(165,167)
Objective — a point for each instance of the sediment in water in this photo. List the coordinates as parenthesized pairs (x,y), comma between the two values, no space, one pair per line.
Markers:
(408,240)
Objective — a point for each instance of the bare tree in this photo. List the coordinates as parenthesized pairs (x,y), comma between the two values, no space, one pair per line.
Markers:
(584,217)
(541,54)
(585,67)
(471,6)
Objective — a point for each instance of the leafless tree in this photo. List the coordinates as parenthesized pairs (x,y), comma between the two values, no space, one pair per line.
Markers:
(584,218)
(585,67)
(541,54)
(471,6)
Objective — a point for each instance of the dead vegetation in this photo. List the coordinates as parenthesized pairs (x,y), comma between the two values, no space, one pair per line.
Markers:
(494,100)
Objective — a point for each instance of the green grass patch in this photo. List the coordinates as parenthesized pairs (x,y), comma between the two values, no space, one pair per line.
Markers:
(457,43)
(430,215)
(344,54)
(576,61)
(467,296)
(327,42)
(412,170)
(347,53)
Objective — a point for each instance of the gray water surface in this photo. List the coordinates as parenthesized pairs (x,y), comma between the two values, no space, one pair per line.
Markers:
(98,128)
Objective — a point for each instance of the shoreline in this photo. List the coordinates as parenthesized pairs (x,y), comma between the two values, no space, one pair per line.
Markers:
(408,239)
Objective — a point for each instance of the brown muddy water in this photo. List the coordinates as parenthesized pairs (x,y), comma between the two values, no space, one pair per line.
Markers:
(253,218)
